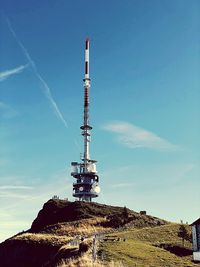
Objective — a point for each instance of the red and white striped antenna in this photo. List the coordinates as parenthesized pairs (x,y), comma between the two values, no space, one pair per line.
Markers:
(87,185)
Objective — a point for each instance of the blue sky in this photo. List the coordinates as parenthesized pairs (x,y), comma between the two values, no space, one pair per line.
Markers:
(144,68)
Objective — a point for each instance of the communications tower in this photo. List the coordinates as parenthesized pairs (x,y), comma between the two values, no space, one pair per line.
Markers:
(86,185)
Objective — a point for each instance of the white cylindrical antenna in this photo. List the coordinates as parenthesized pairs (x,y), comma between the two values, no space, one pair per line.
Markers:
(86,127)
(87,58)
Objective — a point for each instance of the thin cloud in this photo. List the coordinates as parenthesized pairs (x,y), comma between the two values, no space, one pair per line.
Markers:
(15,202)
(12,195)
(15,187)
(6,111)
(121,185)
(133,136)
(46,88)
(7,73)
(12,224)
(14,191)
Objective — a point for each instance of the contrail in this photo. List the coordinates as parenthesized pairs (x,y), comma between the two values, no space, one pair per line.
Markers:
(50,98)
(7,73)
(47,90)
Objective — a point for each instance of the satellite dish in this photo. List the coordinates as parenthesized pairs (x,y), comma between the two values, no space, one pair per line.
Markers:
(81,188)
(94,185)
(97,189)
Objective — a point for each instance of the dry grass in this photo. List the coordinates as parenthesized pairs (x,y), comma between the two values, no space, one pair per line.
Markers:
(84,227)
(44,238)
(61,233)
(86,261)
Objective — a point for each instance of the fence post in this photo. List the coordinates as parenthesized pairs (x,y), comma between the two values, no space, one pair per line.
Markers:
(94,250)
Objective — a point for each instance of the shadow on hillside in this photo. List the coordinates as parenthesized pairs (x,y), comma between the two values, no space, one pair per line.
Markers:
(176,249)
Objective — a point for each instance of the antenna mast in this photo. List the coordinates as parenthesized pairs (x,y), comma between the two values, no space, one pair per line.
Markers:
(86,127)
(86,186)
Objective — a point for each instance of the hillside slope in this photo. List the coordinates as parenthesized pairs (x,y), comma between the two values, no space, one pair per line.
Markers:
(149,247)
(57,211)
(51,236)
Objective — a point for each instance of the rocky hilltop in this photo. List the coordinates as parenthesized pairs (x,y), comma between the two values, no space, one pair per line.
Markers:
(58,223)
(58,211)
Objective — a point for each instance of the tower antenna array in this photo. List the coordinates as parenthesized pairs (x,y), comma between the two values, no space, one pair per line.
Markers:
(86,186)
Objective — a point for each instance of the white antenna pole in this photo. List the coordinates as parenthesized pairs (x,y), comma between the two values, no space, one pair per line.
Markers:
(86,127)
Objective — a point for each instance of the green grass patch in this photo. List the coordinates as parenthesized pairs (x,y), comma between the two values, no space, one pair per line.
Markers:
(139,248)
